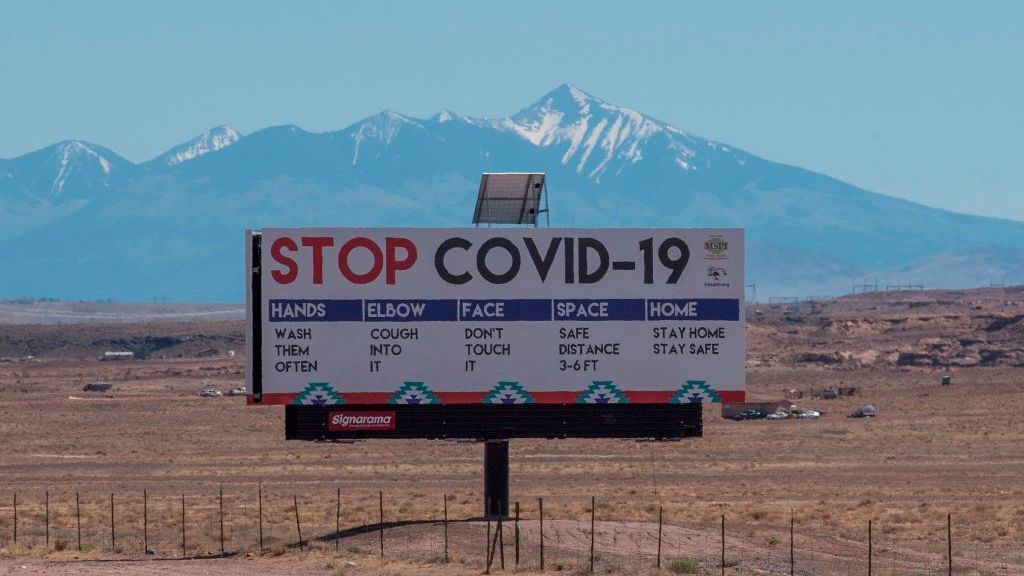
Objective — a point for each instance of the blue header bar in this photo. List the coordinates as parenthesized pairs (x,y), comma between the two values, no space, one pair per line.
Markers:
(596,310)
(694,309)
(504,310)
(410,310)
(492,310)
(315,310)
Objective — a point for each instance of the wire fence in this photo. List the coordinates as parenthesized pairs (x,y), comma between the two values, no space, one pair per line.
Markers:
(556,533)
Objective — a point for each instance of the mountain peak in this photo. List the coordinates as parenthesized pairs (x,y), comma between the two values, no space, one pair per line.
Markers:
(79,156)
(597,135)
(214,139)
(566,99)
(568,95)
(447,115)
(383,127)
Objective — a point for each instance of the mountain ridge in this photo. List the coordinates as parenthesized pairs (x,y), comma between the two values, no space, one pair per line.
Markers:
(607,165)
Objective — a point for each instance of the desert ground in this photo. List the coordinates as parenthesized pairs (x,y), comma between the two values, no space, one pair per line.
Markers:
(934,453)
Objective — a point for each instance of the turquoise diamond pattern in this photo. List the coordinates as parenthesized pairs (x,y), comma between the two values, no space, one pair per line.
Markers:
(508,393)
(695,392)
(602,392)
(413,393)
(318,394)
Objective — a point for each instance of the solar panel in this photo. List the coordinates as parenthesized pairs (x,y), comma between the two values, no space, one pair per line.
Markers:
(509,198)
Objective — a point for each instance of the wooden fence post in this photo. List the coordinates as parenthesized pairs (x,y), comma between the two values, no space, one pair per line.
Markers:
(145,521)
(260,498)
(113,540)
(660,510)
(298,526)
(78,521)
(517,533)
(592,512)
(501,533)
(541,505)
(446,528)
(222,553)
(15,518)
(337,522)
(491,545)
(723,544)
(869,548)
(792,555)
(47,520)
(949,542)
(487,542)
(182,525)
(381,496)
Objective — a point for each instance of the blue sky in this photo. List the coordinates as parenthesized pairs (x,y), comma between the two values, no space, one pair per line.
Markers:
(922,100)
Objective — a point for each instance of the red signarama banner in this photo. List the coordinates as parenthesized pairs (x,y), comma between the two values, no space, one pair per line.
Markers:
(346,420)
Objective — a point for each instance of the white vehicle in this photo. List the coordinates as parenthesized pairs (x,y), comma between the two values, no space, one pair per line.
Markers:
(808,414)
(777,416)
(240,391)
(210,393)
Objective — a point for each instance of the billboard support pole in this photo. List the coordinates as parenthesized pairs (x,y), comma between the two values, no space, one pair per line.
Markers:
(496,478)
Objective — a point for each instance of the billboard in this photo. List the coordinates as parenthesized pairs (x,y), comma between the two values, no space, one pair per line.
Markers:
(401,317)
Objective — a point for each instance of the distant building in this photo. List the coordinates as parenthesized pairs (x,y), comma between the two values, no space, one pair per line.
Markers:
(117,355)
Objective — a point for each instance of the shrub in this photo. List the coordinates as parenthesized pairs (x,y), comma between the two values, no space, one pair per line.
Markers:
(685,566)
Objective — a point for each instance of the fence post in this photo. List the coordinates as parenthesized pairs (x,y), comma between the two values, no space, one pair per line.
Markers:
(487,543)
(145,521)
(182,525)
(501,532)
(541,504)
(337,522)
(660,509)
(723,544)
(792,558)
(15,518)
(260,498)
(222,521)
(78,521)
(494,542)
(381,497)
(113,540)
(869,547)
(47,520)
(949,542)
(446,528)
(517,533)
(298,527)
(592,502)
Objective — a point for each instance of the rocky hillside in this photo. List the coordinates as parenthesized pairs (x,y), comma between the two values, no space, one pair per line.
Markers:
(919,329)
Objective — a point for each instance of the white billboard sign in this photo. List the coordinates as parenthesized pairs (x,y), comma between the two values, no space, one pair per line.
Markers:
(499,316)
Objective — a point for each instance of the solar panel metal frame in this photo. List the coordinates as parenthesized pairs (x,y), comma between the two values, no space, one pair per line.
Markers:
(509,203)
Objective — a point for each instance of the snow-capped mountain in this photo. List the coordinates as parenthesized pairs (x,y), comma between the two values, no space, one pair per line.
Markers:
(46,185)
(596,137)
(173,226)
(214,139)
(68,169)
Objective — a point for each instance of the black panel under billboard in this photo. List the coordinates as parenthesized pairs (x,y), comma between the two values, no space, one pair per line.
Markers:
(494,422)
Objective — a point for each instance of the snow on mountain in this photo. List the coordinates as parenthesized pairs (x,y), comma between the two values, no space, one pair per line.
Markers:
(598,136)
(68,169)
(381,129)
(212,140)
(77,155)
(46,185)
